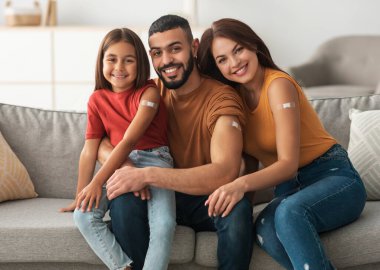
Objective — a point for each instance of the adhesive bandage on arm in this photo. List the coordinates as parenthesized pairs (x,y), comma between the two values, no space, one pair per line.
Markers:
(148,103)
(287,105)
(236,125)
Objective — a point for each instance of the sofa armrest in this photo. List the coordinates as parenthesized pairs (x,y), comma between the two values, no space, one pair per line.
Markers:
(312,73)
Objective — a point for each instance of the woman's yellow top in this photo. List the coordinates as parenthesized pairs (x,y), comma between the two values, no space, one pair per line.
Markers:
(260,135)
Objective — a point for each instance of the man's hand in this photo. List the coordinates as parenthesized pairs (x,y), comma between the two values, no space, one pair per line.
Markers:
(124,180)
(144,194)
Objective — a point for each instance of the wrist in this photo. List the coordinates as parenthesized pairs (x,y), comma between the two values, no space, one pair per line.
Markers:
(149,173)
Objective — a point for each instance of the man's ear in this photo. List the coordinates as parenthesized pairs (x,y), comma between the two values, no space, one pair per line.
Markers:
(194,46)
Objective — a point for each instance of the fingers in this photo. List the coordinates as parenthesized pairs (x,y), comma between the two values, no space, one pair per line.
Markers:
(148,195)
(229,208)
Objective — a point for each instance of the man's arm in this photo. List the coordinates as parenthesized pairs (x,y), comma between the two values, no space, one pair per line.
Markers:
(226,148)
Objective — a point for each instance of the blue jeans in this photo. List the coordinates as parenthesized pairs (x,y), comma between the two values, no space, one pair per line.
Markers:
(160,212)
(325,195)
(235,233)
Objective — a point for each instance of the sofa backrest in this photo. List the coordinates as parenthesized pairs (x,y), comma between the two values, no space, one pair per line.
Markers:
(334,113)
(352,60)
(48,143)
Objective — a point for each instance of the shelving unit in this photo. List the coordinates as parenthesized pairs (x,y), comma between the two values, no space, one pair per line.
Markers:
(51,67)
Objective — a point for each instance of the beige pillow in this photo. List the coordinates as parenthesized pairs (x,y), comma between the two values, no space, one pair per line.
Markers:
(15,182)
(364,149)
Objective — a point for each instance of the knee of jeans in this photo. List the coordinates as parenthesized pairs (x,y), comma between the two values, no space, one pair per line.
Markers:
(83,220)
(288,210)
(239,221)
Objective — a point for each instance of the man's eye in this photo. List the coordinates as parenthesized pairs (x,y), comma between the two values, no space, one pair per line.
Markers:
(155,53)
(175,49)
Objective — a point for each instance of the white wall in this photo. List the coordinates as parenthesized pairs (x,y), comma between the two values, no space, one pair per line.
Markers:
(292,29)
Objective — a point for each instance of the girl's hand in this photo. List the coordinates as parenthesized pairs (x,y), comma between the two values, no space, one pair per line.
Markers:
(69,208)
(89,194)
(144,194)
(222,200)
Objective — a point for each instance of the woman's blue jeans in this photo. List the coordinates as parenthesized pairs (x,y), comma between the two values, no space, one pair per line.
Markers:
(325,195)
(160,212)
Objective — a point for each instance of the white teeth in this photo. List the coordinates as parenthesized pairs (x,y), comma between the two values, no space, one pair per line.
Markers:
(240,70)
(170,70)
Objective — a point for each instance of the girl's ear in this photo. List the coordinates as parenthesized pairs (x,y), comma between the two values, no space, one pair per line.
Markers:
(194,46)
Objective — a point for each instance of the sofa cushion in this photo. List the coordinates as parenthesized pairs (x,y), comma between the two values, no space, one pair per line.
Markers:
(351,245)
(364,149)
(48,143)
(15,182)
(333,113)
(33,230)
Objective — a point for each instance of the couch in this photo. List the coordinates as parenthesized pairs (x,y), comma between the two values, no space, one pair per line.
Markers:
(341,66)
(34,235)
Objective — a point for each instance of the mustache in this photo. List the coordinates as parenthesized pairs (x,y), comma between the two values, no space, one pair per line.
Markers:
(168,66)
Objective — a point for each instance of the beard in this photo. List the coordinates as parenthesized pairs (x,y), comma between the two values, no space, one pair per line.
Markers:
(175,84)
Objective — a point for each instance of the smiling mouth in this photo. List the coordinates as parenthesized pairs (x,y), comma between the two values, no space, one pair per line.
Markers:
(119,77)
(241,70)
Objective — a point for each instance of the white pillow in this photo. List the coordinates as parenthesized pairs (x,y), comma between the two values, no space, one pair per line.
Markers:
(364,149)
(15,182)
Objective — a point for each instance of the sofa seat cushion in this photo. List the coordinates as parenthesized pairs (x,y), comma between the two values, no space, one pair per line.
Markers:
(349,246)
(33,230)
(328,91)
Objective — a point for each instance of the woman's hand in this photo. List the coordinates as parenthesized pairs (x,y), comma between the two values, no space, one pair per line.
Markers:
(69,208)
(89,194)
(222,200)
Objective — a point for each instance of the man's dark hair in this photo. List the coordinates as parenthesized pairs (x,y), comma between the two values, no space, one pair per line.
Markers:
(169,22)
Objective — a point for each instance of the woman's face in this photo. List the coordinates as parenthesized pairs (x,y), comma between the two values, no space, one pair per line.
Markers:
(235,62)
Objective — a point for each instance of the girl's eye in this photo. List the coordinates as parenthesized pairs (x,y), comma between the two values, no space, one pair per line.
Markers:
(111,60)
(239,50)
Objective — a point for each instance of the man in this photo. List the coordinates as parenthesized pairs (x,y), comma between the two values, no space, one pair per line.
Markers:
(205,140)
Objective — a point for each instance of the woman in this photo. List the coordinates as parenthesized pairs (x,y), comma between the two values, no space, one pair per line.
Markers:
(316,187)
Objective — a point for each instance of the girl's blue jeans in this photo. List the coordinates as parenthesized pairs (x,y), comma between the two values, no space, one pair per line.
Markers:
(161,216)
(325,195)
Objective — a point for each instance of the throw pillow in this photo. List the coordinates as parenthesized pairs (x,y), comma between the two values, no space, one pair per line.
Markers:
(15,182)
(364,149)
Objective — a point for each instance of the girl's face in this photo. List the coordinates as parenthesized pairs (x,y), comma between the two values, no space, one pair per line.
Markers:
(120,66)
(235,62)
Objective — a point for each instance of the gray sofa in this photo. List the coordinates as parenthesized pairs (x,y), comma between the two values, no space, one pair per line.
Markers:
(342,66)
(34,235)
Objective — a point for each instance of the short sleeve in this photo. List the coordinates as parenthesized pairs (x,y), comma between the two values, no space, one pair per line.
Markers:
(95,127)
(225,102)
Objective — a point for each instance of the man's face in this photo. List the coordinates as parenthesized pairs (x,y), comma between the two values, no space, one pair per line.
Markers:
(172,57)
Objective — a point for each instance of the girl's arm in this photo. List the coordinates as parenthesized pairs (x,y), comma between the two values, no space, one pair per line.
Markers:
(87,162)
(284,102)
(136,129)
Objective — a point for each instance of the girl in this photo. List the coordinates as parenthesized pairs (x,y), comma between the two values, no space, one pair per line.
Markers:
(125,107)
(316,187)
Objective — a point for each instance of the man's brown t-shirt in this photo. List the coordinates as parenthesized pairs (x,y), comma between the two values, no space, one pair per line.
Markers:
(192,118)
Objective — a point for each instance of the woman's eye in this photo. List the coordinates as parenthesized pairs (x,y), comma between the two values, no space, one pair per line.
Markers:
(222,61)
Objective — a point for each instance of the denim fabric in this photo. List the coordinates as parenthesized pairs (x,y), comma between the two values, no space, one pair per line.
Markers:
(325,195)
(160,211)
(235,234)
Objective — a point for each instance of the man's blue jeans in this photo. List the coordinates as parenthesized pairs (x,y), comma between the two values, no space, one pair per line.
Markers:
(325,195)
(130,226)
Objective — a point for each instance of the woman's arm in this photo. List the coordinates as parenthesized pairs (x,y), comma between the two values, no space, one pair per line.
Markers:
(284,102)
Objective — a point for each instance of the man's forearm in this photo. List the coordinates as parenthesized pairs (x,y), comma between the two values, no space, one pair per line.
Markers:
(202,180)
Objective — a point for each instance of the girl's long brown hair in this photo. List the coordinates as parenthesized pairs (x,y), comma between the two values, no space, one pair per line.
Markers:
(126,35)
